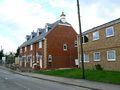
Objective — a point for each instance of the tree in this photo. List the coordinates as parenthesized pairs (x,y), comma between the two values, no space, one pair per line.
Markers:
(1,54)
(10,58)
(17,53)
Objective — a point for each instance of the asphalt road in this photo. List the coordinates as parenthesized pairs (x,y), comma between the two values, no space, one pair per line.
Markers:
(12,81)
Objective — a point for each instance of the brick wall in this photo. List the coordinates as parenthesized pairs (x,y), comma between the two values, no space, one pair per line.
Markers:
(103,45)
(55,40)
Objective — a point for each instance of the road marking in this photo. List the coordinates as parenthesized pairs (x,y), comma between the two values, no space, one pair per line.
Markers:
(6,78)
(22,86)
(6,72)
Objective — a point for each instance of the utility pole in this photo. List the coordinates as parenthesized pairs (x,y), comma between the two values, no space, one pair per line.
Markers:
(81,41)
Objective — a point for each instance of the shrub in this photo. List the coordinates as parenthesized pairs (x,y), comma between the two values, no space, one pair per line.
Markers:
(98,67)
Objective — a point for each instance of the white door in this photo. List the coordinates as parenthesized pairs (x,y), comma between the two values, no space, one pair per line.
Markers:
(40,61)
(30,61)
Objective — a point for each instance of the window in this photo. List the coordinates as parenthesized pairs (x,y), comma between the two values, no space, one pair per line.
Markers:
(65,47)
(97,56)
(20,50)
(85,39)
(109,32)
(25,49)
(75,43)
(95,35)
(40,57)
(40,44)
(86,57)
(31,47)
(111,55)
(49,58)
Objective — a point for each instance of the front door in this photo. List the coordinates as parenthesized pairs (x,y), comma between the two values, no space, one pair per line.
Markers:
(40,61)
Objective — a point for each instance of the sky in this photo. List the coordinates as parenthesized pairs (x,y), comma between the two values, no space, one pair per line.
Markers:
(19,18)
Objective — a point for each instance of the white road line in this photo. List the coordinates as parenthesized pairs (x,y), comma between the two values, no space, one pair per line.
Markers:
(6,78)
(22,86)
(6,72)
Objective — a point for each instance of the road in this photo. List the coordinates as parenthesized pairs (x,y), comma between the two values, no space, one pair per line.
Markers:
(12,81)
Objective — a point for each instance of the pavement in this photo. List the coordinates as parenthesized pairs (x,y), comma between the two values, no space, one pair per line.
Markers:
(74,82)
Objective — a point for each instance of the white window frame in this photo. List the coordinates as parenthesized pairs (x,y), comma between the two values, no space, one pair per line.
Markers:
(31,47)
(107,30)
(65,45)
(94,56)
(49,58)
(94,33)
(25,49)
(40,44)
(114,55)
(76,43)
(84,57)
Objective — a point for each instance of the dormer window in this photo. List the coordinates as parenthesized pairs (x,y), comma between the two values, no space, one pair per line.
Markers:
(27,37)
(39,31)
(46,29)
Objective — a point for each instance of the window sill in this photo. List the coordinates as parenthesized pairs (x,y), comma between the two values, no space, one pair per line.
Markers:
(97,60)
(85,61)
(64,50)
(95,39)
(109,36)
(111,60)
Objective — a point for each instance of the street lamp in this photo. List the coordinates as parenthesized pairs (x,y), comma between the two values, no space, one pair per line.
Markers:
(81,41)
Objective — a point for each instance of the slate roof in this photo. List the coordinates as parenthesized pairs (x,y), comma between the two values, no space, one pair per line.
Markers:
(44,33)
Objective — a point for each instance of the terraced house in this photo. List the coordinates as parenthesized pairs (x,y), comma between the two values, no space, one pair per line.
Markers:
(51,47)
(103,46)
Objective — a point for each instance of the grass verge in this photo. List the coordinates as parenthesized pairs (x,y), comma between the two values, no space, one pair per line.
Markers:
(94,75)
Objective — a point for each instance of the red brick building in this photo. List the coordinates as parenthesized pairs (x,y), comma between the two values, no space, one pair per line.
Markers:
(51,47)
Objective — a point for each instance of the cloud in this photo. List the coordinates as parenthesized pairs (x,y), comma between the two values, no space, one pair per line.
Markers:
(19,18)
(61,3)
(7,44)
(98,12)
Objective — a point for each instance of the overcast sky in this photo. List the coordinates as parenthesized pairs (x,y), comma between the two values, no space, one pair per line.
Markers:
(20,17)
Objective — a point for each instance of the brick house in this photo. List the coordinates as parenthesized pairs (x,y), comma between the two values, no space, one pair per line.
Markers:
(103,46)
(51,47)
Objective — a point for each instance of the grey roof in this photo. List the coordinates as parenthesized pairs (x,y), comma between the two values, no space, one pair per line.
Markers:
(43,34)
(103,26)
(33,40)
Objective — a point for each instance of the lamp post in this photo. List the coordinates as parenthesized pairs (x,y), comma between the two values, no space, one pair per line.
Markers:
(81,41)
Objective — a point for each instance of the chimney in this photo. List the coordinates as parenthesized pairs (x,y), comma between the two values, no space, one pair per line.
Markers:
(63,17)
(32,34)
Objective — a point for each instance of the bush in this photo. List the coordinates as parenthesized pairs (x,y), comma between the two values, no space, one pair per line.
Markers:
(98,67)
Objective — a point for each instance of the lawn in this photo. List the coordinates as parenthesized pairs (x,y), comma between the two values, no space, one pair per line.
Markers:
(94,75)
